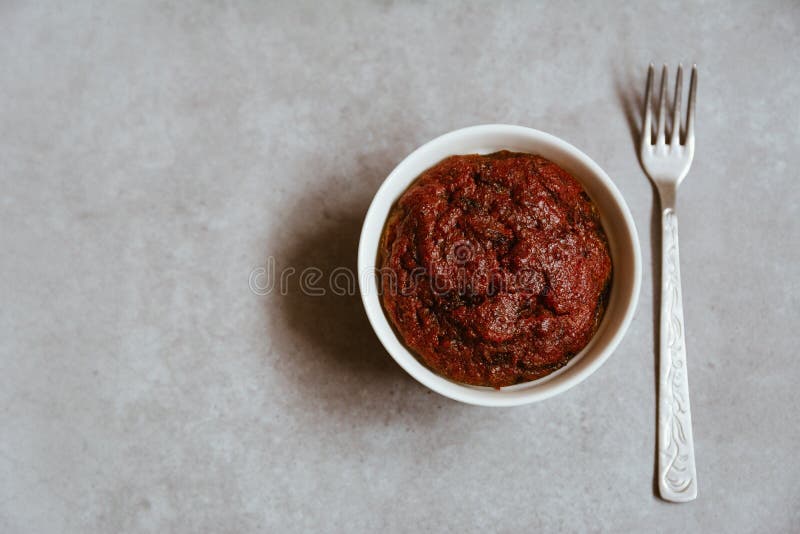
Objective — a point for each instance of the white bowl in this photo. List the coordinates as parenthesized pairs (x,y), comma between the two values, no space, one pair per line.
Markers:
(617,222)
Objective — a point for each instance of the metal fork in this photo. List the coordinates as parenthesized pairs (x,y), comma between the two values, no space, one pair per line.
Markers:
(667,165)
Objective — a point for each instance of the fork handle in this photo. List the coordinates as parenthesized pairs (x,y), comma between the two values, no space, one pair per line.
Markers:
(677,476)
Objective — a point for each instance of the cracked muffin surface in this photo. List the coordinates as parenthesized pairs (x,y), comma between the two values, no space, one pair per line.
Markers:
(494,269)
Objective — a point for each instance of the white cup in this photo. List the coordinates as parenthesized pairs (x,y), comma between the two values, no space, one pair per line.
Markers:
(617,223)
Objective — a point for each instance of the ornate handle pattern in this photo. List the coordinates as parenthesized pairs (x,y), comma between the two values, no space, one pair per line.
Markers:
(677,476)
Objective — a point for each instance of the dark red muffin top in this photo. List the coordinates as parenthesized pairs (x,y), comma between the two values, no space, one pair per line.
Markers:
(495,268)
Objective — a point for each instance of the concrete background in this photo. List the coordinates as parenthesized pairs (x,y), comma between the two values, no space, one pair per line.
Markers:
(153,155)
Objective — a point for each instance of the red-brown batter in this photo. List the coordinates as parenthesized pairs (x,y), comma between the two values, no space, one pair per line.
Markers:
(494,269)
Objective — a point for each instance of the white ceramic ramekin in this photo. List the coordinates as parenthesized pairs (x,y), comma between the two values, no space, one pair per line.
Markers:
(617,222)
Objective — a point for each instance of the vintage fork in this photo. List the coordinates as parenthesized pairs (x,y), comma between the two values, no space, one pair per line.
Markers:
(667,165)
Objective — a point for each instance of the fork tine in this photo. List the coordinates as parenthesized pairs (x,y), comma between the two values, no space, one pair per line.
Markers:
(647,128)
(690,118)
(662,107)
(676,108)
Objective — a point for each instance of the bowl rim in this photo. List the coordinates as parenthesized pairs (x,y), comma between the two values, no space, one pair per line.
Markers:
(483,396)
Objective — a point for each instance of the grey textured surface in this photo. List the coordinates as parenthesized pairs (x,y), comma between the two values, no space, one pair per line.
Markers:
(152,156)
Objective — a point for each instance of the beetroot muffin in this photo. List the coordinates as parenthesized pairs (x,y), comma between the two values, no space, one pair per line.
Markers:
(495,268)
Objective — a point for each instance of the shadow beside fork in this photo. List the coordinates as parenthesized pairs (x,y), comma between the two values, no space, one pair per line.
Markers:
(631,101)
